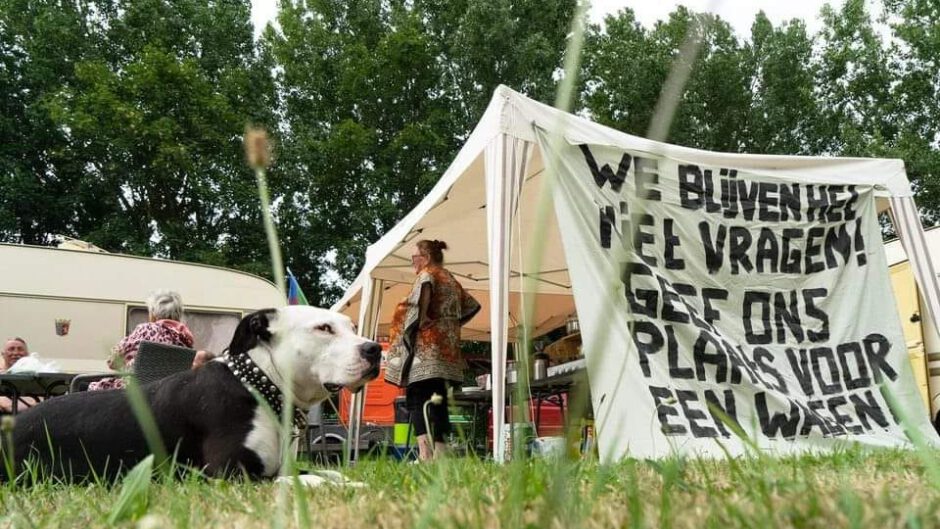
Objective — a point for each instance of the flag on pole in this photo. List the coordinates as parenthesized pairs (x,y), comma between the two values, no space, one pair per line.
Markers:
(295,296)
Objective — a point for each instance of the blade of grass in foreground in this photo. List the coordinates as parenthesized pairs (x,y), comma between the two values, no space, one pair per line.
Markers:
(144,415)
(134,496)
(561,488)
(258,154)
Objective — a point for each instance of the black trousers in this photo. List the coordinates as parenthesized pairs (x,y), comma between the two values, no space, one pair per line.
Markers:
(416,395)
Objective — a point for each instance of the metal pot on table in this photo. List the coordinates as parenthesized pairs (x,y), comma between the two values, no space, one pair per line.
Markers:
(540,366)
(572,325)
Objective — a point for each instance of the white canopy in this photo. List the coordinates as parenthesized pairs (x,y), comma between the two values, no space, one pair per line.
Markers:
(486,207)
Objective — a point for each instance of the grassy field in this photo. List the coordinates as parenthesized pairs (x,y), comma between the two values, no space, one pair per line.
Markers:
(849,489)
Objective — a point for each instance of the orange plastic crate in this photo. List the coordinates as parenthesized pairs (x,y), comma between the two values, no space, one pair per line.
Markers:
(379,407)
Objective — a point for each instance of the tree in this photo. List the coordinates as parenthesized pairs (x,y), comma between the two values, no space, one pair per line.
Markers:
(857,112)
(626,67)
(40,182)
(916,94)
(156,119)
(783,111)
(378,97)
(128,117)
(624,71)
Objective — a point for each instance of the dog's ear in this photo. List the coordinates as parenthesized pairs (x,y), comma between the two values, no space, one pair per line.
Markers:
(252,329)
(258,324)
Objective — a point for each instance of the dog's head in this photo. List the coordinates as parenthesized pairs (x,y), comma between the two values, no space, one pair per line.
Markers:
(318,347)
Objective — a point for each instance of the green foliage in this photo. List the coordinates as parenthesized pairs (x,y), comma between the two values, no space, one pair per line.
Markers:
(378,97)
(138,109)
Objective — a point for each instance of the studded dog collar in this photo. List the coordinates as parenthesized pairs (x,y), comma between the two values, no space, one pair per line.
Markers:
(252,377)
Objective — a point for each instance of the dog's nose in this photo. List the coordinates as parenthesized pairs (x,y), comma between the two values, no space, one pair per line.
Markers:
(371,351)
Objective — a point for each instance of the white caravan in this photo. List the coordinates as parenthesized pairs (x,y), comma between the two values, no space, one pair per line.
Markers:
(102,297)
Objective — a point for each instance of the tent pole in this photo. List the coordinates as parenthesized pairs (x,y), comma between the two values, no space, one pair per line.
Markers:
(368,319)
(498,212)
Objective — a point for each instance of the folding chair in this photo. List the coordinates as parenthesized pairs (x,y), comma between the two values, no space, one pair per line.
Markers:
(156,360)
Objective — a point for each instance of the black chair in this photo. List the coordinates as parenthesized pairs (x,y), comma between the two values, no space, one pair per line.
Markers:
(157,360)
(152,362)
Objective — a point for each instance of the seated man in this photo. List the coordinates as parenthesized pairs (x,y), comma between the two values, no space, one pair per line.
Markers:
(13,350)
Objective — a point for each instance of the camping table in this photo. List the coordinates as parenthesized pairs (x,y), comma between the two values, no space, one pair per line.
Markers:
(38,385)
(547,389)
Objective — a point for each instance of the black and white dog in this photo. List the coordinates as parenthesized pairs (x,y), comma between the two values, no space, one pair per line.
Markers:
(207,417)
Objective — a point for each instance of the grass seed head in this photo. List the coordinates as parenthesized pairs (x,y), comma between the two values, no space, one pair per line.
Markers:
(257,147)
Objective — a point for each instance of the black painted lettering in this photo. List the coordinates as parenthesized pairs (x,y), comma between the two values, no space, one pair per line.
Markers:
(791,257)
(672,349)
(813,249)
(701,357)
(812,311)
(868,408)
(662,397)
(764,360)
(860,378)
(693,415)
(768,251)
(812,418)
(762,300)
(780,423)
(708,294)
(845,421)
(876,351)
(714,249)
(648,340)
(606,225)
(605,174)
(834,214)
(739,243)
(747,197)
(817,356)
(787,316)
(642,238)
(725,415)
(691,187)
(837,241)
(710,205)
(769,202)
(641,301)
(670,312)
(799,364)
(672,242)
(790,203)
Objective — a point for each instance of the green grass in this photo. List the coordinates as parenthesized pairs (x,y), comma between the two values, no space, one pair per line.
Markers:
(848,489)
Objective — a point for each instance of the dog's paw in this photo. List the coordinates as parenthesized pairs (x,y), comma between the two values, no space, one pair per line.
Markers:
(320,478)
(307,480)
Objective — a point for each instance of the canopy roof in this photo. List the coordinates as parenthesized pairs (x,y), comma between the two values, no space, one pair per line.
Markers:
(455,211)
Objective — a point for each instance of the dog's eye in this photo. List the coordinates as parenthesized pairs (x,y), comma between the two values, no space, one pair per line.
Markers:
(326,327)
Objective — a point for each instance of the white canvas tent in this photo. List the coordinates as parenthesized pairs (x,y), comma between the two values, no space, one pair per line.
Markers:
(486,208)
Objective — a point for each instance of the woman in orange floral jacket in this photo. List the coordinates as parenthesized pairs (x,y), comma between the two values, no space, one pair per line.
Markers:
(425,344)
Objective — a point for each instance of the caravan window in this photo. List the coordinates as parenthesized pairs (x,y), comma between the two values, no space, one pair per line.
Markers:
(212,330)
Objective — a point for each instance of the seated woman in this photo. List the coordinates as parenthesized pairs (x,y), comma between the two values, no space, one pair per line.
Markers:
(165,309)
